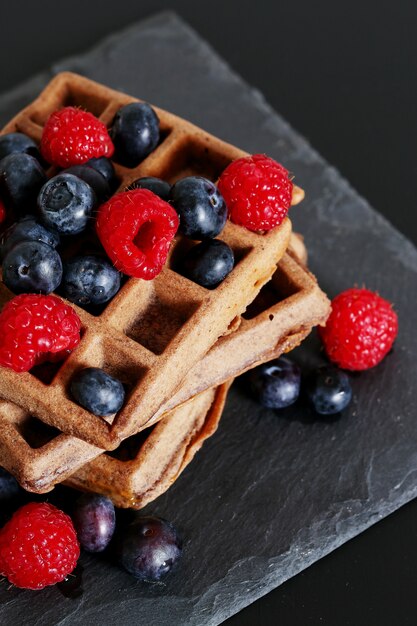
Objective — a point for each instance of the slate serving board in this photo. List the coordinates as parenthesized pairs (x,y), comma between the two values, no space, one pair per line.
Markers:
(269,494)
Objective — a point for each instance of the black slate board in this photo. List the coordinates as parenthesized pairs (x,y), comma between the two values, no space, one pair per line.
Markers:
(268,495)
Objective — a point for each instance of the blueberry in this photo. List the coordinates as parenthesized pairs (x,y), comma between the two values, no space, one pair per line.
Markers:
(93,177)
(89,280)
(329,390)
(94,519)
(27,229)
(105,167)
(208,263)
(66,203)
(13,143)
(150,548)
(32,267)
(135,133)
(158,186)
(21,178)
(201,207)
(276,384)
(9,487)
(97,391)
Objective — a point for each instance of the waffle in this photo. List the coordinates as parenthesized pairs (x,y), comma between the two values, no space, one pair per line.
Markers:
(152,332)
(278,320)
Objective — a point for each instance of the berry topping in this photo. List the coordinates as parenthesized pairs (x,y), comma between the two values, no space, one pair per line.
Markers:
(257,192)
(208,263)
(150,548)
(276,384)
(27,229)
(97,391)
(136,229)
(97,182)
(32,267)
(105,167)
(360,330)
(135,133)
(94,520)
(13,143)
(329,390)
(21,178)
(201,207)
(89,280)
(72,136)
(66,203)
(158,186)
(35,327)
(38,546)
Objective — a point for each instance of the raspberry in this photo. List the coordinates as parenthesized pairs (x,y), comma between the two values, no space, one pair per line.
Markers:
(2,212)
(136,229)
(38,546)
(257,192)
(72,136)
(360,330)
(35,328)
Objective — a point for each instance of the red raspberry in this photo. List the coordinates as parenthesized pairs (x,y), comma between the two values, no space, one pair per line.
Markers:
(72,136)
(2,212)
(136,229)
(38,546)
(34,328)
(360,329)
(257,192)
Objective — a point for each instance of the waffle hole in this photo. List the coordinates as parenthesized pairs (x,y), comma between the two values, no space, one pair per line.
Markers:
(72,98)
(46,372)
(35,432)
(197,159)
(130,447)
(276,290)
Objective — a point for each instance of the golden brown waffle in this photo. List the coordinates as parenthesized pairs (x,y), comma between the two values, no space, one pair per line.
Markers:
(153,332)
(146,465)
(277,321)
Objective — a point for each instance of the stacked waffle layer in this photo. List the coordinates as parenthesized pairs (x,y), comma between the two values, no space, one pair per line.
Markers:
(175,345)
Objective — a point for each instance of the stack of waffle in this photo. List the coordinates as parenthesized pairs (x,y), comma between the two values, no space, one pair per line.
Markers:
(175,345)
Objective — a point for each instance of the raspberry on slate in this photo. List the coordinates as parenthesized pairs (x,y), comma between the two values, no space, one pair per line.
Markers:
(360,330)
(2,212)
(72,136)
(257,192)
(38,546)
(35,328)
(136,229)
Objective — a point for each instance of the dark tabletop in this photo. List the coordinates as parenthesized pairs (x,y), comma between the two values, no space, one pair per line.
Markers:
(344,75)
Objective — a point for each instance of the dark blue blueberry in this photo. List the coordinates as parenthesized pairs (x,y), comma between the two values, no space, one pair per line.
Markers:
(9,487)
(97,391)
(89,280)
(21,178)
(208,263)
(94,520)
(66,204)
(150,548)
(105,167)
(13,143)
(32,267)
(201,207)
(27,229)
(329,390)
(135,133)
(93,177)
(276,384)
(158,186)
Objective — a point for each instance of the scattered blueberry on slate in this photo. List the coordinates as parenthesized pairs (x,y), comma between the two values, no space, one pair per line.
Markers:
(94,520)
(21,178)
(89,280)
(104,166)
(26,229)
(135,133)
(329,390)
(158,186)
(97,182)
(150,548)
(32,267)
(13,143)
(208,263)
(276,384)
(9,487)
(97,391)
(201,207)
(66,203)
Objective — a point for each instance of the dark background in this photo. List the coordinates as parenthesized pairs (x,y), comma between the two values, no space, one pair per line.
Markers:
(344,75)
